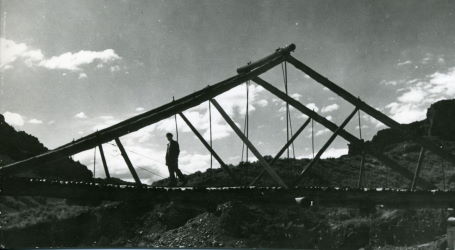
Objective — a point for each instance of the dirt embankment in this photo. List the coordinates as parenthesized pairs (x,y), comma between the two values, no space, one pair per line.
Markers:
(231,224)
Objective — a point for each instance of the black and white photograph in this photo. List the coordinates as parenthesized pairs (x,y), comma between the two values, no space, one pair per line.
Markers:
(206,124)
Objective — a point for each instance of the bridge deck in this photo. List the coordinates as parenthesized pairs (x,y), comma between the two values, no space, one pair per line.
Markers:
(323,196)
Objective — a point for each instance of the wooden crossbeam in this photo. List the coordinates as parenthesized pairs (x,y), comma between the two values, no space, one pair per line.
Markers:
(326,145)
(103,159)
(343,133)
(137,122)
(209,148)
(369,110)
(282,150)
(128,162)
(247,142)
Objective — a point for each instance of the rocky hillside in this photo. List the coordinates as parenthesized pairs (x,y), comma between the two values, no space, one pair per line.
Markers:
(18,145)
(438,125)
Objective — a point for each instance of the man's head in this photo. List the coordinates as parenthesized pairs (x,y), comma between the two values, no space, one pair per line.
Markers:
(169,136)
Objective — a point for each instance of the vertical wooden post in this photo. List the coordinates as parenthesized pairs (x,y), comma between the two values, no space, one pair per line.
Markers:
(417,170)
(103,159)
(324,147)
(128,162)
(215,155)
(249,144)
(278,155)
(362,164)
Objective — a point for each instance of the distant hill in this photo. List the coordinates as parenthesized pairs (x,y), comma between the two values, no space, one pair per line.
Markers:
(18,145)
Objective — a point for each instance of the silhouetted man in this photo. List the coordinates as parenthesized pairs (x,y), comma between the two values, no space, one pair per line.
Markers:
(172,156)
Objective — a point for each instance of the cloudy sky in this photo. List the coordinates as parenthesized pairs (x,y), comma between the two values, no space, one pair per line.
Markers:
(69,68)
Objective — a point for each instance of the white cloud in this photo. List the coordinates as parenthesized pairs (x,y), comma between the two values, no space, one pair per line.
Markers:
(413,95)
(329,117)
(139,109)
(412,104)
(330,108)
(321,132)
(262,103)
(389,83)
(35,121)
(404,63)
(193,162)
(106,117)
(376,123)
(14,119)
(114,68)
(74,61)
(80,115)
(442,83)
(296,96)
(312,106)
(334,152)
(406,112)
(82,76)
(329,153)
(12,51)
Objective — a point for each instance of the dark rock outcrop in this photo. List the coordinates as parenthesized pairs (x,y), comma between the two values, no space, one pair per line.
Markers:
(439,124)
(441,120)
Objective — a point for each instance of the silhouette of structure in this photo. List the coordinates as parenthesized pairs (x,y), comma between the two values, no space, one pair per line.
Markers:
(250,72)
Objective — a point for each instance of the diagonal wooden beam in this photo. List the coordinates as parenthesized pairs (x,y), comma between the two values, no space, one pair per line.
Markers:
(247,142)
(417,170)
(155,115)
(324,148)
(103,159)
(209,148)
(343,133)
(127,161)
(369,110)
(282,150)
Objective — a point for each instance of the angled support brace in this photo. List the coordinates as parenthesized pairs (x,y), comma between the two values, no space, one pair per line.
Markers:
(209,148)
(128,162)
(418,167)
(103,159)
(343,133)
(324,148)
(368,109)
(283,149)
(249,144)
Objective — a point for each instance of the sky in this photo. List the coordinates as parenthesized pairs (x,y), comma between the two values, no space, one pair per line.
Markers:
(69,68)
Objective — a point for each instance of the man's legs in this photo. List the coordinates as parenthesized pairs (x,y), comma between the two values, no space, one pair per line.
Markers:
(171,175)
(180,174)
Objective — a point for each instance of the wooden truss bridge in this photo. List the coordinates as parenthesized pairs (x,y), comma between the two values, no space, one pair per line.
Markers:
(284,191)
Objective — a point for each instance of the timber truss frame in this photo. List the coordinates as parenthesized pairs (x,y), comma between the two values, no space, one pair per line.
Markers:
(250,72)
